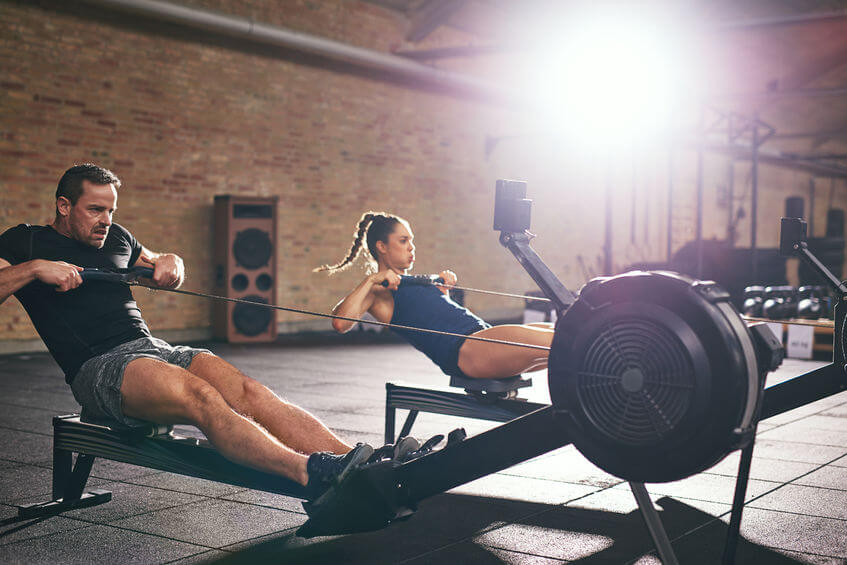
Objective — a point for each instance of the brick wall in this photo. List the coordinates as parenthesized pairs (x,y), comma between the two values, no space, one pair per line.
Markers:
(181,118)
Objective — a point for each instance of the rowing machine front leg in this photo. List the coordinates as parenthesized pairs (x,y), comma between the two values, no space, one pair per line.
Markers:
(75,484)
(62,471)
(69,480)
(407,425)
(390,415)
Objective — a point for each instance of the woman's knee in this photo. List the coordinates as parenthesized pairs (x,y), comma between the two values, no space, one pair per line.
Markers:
(471,362)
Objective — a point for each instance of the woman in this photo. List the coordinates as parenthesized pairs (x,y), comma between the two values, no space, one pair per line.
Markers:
(390,244)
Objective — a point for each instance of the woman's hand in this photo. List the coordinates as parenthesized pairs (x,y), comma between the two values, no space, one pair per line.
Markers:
(388,276)
(450,279)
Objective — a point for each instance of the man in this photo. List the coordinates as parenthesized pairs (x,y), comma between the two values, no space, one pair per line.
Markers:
(116,369)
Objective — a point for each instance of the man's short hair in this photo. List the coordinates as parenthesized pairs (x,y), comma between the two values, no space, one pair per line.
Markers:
(70,185)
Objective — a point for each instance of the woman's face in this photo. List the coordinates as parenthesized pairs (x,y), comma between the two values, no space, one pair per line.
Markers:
(398,253)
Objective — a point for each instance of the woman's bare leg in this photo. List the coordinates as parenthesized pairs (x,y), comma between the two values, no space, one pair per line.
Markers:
(483,360)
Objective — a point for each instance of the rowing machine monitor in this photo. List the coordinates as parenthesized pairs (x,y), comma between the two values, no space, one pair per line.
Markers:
(512,210)
(792,233)
(792,241)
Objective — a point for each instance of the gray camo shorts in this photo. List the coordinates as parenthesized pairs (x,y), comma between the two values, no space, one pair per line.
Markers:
(97,385)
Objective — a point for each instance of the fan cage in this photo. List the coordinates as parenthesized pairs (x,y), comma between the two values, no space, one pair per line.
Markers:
(658,373)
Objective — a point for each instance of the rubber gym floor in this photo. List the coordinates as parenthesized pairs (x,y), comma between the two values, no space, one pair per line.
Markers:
(557,508)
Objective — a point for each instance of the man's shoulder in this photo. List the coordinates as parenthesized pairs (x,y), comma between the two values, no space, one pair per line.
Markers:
(19,233)
(117,231)
(15,242)
(120,238)
(23,229)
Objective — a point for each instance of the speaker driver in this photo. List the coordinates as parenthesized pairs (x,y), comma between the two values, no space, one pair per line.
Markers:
(252,248)
(264,282)
(239,282)
(251,320)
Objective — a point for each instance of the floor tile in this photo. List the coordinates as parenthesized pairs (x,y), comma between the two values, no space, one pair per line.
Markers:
(97,544)
(812,501)
(213,523)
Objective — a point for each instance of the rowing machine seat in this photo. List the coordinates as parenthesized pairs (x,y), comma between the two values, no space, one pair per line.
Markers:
(502,388)
(140,429)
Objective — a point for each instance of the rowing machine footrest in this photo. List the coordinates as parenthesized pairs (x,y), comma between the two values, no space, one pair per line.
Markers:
(369,499)
(497,387)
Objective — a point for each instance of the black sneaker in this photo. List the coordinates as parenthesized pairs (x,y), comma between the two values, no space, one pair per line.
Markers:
(327,469)
(425,448)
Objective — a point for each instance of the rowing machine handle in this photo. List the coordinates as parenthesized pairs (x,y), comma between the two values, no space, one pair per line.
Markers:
(418,280)
(117,275)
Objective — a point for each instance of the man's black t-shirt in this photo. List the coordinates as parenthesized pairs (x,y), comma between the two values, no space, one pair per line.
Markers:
(90,319)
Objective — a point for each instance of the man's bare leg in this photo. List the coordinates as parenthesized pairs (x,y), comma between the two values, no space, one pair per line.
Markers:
(292,425)
(164,393)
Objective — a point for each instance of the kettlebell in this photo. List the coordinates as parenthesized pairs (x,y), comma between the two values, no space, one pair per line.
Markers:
(753,301)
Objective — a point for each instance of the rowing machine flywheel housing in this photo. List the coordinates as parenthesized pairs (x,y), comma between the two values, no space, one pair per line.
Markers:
(653,375)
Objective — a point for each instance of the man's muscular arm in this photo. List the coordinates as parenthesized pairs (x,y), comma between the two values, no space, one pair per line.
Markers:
(168,270)
(63,276)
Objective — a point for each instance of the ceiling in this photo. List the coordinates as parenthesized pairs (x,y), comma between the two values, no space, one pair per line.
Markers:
(781,64)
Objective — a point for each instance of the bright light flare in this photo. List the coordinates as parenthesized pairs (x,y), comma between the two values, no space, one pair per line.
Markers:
(612,78)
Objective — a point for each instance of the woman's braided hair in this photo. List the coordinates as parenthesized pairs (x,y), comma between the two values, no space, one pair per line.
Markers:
(372,227)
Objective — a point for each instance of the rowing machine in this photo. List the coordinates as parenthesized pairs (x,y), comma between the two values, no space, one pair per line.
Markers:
(653,376)
(684,321)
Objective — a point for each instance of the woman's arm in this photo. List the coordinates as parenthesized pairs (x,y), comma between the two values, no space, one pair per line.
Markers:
(362,299)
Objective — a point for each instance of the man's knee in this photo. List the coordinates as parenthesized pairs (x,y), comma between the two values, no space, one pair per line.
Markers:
(200,401)
(254,393)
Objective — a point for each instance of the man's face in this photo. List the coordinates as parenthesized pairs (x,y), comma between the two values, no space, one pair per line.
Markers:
(90,218)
